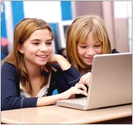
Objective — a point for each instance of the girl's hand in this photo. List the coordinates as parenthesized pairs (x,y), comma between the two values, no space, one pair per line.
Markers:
(77,89)
(48,100)
(85,79)
(62,61)
(53,59)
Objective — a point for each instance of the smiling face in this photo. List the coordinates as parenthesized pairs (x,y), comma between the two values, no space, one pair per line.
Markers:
(38,48)
(86,37)
(88,49)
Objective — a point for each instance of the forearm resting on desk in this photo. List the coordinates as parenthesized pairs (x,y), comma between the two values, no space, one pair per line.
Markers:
(48,100)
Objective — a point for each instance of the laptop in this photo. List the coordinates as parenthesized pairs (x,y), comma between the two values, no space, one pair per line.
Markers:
(111,83)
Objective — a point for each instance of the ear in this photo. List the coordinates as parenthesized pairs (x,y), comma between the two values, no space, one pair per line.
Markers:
(20,49)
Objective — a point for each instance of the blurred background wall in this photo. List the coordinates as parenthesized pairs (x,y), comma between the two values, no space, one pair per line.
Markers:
(117,16)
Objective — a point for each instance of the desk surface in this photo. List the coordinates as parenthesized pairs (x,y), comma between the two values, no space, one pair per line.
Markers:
(56,114)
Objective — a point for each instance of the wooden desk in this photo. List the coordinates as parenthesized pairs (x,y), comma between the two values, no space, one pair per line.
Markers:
(55,114)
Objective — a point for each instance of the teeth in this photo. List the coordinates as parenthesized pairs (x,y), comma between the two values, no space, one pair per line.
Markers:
(43,56)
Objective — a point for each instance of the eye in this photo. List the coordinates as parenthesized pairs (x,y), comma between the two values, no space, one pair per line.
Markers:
(49,42)
(98,45)
(82,45)
(35,43)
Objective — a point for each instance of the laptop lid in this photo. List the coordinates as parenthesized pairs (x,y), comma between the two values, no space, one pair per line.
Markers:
(111,80)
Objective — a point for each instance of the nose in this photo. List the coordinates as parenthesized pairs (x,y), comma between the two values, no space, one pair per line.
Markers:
(43,47)
(91,51)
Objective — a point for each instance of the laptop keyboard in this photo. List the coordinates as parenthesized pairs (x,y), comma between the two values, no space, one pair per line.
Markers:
(77,101)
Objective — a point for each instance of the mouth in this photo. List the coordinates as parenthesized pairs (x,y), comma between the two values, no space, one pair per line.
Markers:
(42,56)
(89,59)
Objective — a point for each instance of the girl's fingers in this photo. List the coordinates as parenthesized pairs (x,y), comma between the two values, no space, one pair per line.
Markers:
(88,82)
(85,79)
(83,87)
(82,92)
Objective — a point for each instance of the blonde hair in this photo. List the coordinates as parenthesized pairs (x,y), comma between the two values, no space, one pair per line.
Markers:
(22,32)
(78,31)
